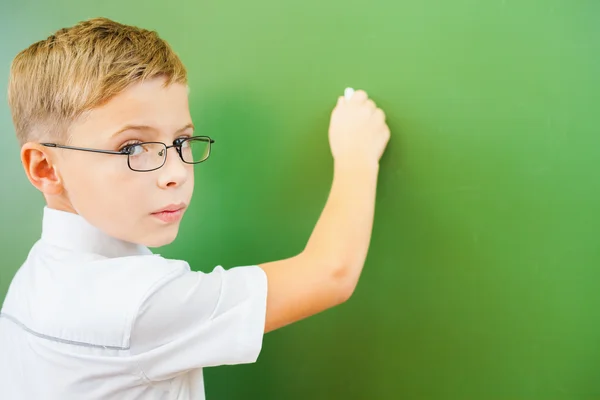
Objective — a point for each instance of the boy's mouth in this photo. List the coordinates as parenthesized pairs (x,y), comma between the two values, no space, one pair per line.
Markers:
(171,213)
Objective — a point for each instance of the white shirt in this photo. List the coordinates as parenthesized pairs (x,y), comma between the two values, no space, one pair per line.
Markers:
(90,317)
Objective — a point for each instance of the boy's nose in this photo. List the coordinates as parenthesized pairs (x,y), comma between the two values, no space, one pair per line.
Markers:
(174,173)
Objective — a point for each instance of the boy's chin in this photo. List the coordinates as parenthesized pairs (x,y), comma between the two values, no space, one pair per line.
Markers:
(162,238)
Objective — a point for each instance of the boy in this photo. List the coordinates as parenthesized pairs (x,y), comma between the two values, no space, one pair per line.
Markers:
(101,112)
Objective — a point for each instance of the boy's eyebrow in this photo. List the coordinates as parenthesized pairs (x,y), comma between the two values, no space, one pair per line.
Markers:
(148,128)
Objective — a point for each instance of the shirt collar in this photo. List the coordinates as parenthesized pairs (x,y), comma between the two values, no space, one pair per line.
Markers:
(72,232)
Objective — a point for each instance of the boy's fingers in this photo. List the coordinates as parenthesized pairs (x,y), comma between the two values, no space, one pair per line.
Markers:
(359,96)
(380,114)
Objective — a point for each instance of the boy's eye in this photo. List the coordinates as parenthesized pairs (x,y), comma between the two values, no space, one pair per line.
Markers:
(132,148)
(183,142)
(135,150)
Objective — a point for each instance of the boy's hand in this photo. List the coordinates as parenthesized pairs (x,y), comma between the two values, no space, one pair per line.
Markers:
(357,131)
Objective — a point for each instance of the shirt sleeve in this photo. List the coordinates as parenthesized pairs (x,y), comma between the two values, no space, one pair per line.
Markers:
(201,320)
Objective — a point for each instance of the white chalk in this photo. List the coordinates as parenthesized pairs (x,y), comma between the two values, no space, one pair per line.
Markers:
(348,93)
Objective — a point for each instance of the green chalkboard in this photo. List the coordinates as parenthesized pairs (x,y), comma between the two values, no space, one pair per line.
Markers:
(483,277)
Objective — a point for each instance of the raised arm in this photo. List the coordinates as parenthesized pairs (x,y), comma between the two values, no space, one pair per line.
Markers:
(325,274)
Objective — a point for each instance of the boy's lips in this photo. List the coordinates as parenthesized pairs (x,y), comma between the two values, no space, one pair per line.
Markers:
(170,213)
(171,208)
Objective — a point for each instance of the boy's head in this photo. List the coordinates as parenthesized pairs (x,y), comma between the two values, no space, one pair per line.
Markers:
(102,85)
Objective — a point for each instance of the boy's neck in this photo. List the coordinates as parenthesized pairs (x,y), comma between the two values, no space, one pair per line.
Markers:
(60,203)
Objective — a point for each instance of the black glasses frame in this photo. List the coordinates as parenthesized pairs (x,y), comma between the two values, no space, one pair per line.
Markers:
(127,150)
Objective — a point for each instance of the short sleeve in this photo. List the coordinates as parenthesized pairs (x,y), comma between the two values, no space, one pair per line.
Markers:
(201,320)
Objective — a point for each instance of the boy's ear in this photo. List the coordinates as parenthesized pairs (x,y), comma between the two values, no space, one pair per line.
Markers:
(40,168)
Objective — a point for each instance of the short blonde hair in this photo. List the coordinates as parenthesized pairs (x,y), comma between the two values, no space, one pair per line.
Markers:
(55,80)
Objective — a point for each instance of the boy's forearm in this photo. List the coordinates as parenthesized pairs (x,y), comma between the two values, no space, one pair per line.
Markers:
(342,234)
(325,273)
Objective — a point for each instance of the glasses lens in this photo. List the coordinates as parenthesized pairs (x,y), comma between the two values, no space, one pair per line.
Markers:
(195,150)
(147,156)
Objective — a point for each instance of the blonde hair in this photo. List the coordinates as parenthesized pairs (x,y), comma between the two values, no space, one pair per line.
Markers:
(55,80)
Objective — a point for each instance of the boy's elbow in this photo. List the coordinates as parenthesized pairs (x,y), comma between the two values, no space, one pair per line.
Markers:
(337,277)
(344,280)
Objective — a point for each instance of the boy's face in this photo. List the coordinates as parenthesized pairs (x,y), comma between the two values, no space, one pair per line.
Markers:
(104,190)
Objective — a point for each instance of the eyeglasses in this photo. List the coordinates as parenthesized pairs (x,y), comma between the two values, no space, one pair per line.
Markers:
(150,156)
